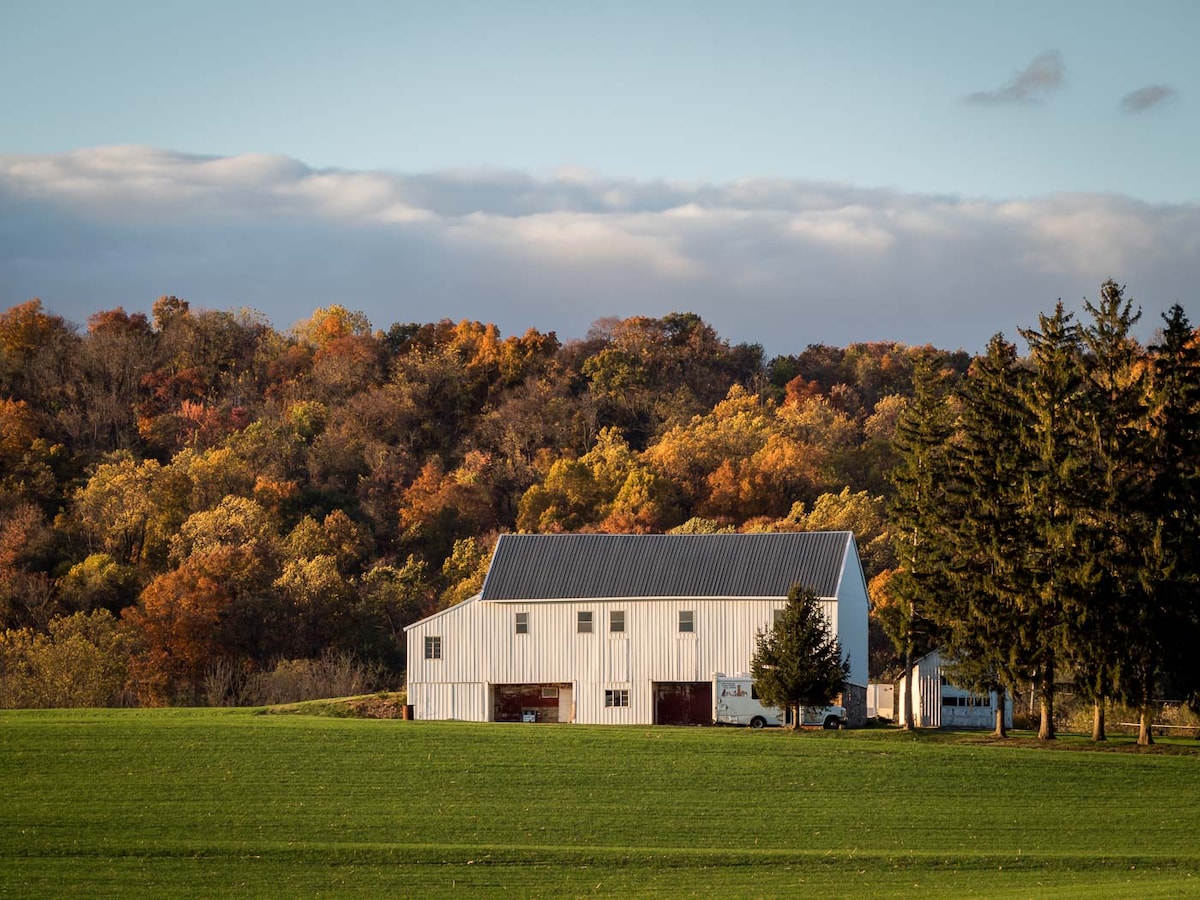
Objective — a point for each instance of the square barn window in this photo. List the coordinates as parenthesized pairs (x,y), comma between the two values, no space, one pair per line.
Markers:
(522,623)
(583,622)
(433,647)
(687,621)
(618,697)
(616,620)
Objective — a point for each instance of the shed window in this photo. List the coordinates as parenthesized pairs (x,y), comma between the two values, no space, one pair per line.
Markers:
(616,698)
(776,616)
(583,622)
(433,647)
(687,621)
(616,620)
(522,625)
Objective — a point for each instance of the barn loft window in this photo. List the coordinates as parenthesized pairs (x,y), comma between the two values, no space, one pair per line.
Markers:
(776,616)
(522,623)
(618,697)
(583,622)
(616,620)
(687,621)
(433,647)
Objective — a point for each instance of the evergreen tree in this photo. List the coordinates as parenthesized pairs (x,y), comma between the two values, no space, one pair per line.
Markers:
(1114,487)
(917,520)
(1168,614)
(979,616)
(798,661)
(1059,571)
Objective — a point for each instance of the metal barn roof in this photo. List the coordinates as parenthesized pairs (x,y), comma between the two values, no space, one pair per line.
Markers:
(591,566)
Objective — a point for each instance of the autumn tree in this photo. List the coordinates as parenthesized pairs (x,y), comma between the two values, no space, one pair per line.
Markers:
(78,661)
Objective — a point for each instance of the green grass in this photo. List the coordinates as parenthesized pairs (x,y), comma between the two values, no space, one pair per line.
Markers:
(204,802)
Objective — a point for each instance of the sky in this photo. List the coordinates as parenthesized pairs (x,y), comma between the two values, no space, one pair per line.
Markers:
(794,172)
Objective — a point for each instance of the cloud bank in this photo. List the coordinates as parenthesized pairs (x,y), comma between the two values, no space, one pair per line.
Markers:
(1043,75)
(1147,97)
(784,263)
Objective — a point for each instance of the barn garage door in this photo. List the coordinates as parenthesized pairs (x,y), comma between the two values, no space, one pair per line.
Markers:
(683,703)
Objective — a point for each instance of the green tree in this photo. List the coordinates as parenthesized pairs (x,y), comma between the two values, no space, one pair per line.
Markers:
(1060,571)
(1115,391)
(798,661)
(1167,611)
(982,522)
(922,433)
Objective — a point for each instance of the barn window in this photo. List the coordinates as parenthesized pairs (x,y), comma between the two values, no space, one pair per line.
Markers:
(616,620)
(522,623)
(550,692)
(616,698)
(583,622)
(687,621)
(433,647)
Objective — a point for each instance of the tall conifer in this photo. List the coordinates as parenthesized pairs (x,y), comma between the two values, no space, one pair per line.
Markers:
(1058,571)
(1113,486)
(978,618)
(922,435)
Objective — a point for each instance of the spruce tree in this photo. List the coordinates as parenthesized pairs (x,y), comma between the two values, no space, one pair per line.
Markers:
(1168,616)
(798,661)
(1114,487)
(978,618)
(1058,571)
(917,519)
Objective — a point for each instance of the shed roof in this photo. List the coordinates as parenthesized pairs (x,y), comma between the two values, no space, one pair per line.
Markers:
(592,566)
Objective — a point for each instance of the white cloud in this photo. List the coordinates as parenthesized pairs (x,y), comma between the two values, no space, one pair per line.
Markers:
(781,262)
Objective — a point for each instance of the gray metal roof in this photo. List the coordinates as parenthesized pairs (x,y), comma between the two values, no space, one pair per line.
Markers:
(578,566)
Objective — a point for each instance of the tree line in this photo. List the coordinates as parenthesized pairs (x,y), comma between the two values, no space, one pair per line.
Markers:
(197,507)
(1045,513)
(192,501)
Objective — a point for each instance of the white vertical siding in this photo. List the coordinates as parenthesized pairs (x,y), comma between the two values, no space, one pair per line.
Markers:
(480,647)
(850,616)
(931,712)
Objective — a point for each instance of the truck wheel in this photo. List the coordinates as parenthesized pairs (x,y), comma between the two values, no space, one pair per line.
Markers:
(831,722)
(758,722)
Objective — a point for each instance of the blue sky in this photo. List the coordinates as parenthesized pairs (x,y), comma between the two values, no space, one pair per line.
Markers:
(546,164)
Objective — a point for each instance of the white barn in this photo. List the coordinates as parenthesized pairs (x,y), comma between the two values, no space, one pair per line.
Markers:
(627,629)
(939,703)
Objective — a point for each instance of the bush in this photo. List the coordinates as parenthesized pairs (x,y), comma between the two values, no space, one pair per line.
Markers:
(78,661)
(291,681)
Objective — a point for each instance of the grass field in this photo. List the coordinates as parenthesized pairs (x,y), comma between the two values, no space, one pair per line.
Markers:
(206,802)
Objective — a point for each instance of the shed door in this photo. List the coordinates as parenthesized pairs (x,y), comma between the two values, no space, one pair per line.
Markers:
(683,703)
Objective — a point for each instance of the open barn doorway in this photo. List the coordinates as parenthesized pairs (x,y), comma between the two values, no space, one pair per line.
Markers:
(683,703)
(532,703)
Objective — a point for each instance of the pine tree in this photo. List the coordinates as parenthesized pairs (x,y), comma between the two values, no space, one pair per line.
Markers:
(979,616)
(1114,487)
(798,661)
(1058,572)
(916,517)
(1168,616)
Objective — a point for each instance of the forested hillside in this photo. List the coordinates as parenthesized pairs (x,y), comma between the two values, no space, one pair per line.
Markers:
(196,507)
(192,498)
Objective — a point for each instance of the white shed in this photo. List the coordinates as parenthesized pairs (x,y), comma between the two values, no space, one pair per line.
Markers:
(942,704)
(627,629)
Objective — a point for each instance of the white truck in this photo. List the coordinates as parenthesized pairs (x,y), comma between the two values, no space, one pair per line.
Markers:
(735,703)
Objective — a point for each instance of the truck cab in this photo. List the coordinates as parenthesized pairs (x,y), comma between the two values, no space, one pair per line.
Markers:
(736,703)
